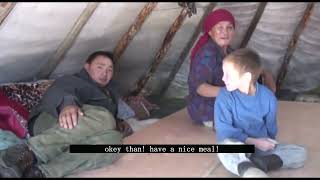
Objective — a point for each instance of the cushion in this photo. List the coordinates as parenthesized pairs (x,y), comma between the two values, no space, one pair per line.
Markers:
(13,116)
(27,94)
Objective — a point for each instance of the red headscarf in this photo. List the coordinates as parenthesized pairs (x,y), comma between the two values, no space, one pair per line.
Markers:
(212,19)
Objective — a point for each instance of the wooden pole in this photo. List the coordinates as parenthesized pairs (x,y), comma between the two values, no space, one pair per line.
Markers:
(253,24)
(6,8)
(133,30)
(67,42)
(162,51)
(292,45)
(186,50)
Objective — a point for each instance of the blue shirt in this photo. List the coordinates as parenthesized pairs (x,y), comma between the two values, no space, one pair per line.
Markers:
(239,116)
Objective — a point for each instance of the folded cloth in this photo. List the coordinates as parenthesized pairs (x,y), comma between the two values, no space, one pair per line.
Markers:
(13,116)
(141,106)
(124,110)
(7,139)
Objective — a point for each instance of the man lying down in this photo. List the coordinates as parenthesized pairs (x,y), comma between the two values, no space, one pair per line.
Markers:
(76,109)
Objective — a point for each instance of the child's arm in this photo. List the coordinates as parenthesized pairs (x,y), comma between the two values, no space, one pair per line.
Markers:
(223,119)
(271,118)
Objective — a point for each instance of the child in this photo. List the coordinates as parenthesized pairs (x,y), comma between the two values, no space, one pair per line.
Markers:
(245,113)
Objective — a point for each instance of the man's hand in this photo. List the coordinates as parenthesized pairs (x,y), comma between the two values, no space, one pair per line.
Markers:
(124,127)
(68,118)
(264,144)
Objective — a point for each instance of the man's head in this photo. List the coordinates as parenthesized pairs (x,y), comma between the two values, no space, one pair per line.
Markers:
(241,69)
(99,66)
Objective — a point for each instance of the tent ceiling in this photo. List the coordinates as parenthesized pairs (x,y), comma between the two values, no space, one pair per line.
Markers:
(31,33)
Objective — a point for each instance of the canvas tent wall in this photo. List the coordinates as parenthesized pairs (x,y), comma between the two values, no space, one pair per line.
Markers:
(32,33)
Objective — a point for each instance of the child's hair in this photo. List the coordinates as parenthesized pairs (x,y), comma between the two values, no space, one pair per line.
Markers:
(246,60)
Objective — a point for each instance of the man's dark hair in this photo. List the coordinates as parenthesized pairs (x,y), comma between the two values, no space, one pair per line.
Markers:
(246,60)
(100,53)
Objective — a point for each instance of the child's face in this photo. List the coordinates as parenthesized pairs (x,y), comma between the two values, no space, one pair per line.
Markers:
(231,76)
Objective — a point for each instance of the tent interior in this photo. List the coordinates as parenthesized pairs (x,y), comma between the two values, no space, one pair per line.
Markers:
(151,43)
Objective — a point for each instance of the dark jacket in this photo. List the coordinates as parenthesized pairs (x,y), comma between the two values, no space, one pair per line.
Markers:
(77,89)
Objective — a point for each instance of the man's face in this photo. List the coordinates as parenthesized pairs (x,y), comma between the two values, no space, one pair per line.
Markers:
(222,33)
(231,76)
(100,70)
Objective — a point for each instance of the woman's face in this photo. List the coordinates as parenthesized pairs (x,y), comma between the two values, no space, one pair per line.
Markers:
(222,33)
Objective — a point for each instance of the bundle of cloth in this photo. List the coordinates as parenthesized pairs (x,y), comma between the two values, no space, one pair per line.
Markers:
(13,122)
(16,102)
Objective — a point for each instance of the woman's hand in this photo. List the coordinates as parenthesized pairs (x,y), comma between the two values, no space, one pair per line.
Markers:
(268,80)
(207,90)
